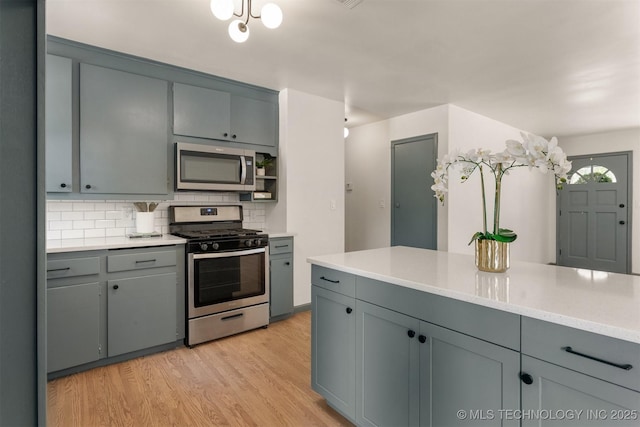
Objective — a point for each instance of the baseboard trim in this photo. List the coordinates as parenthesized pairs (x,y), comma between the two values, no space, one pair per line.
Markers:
(301,308)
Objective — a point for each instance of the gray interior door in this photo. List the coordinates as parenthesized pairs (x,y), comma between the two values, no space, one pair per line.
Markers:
(413,212)
(594,214)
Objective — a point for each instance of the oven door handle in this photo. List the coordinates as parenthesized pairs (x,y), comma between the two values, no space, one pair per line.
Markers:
(229,254)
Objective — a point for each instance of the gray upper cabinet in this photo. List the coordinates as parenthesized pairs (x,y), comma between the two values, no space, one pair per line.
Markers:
(212,114)
(58,124)
(254,121)
(123,132)
(200,112)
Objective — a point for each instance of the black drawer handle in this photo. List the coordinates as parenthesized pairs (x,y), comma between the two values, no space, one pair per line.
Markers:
(145,260)
(329,280)
(287,263)
(625,366)
(59,269)
(235,316)
(281,246)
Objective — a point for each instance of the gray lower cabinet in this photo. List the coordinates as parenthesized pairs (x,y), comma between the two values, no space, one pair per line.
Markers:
(106,303)
(281,277)
(73,325)
(571,398)
(123,132)
(333,346)
(58,124)
(141,312)
(411,372)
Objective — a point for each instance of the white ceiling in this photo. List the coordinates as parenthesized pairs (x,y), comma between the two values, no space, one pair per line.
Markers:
(558,67)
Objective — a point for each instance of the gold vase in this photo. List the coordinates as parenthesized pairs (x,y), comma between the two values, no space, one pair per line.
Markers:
(492,256)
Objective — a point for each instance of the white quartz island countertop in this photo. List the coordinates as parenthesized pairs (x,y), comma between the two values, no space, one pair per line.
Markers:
(594,301)
(73,245)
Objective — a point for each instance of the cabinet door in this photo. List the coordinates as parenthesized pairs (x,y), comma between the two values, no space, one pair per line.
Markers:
(141,312)
(73,326)
(580,400)
(459,372)
(333,345)
(254,121)
(281,283)
(387,377)
(123,132)
(58,124)
(200,112)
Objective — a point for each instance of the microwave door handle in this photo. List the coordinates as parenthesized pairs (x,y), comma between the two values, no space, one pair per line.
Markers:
(243,170)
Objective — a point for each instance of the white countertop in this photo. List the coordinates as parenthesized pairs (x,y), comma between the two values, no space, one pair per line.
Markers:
(594,301)
(276,234)
(72,245)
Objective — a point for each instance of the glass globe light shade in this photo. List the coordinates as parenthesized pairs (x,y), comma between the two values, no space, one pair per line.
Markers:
(271,15)
(238,31)
(222,9)
(346,132)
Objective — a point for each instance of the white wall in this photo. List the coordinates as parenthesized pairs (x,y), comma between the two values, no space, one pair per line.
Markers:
(531,213)
(610,142)
(368,166)
(311,181)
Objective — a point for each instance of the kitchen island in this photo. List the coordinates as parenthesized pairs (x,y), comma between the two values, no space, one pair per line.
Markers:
(407,336)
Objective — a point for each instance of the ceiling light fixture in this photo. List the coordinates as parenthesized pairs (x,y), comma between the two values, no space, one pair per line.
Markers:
(346,129)
(270,14)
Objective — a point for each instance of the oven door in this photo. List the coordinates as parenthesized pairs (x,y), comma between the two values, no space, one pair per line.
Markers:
(223,281)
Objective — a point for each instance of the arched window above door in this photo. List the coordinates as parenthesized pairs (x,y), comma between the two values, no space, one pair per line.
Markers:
(592,173)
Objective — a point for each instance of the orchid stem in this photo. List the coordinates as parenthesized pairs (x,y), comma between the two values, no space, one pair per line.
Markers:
(484,203)
(496,206)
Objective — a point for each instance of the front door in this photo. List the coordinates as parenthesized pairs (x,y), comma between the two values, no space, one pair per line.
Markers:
(414,208)
(594,213)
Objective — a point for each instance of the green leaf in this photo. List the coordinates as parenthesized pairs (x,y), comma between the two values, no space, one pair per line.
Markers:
(505,235)
(476,236)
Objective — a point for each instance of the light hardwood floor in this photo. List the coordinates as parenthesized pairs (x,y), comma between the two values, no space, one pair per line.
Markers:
(258,378)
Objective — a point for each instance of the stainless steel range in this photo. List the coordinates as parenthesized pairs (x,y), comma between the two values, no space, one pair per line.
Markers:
(227,271)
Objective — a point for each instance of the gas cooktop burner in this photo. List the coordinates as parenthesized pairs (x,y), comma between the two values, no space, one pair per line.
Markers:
(212,234)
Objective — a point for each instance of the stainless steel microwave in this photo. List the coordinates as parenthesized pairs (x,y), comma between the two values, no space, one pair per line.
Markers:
(208,168)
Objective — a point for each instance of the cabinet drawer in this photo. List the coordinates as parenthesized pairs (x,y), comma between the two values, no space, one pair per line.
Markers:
(140,261)
(334,280)
(73,267)
(555,343)
(280,246)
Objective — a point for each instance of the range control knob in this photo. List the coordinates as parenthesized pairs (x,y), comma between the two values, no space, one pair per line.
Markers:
(258,242)
(215,246)
(248,243)
(204,246)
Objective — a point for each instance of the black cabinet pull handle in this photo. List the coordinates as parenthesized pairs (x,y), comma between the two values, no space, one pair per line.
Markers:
(88,186)
(115,286)
(622,223)
(422,339)
(59,269)
(349,310)
(225,134)
(235,316)
(145,260)
(411,333)
(329,280)
(287,263)
(526,378)
(625,366)
(281,246)
(63,185)
(233,136)
(622,205)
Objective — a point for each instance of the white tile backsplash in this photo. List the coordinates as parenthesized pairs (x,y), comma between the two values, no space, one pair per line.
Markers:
(108,218)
